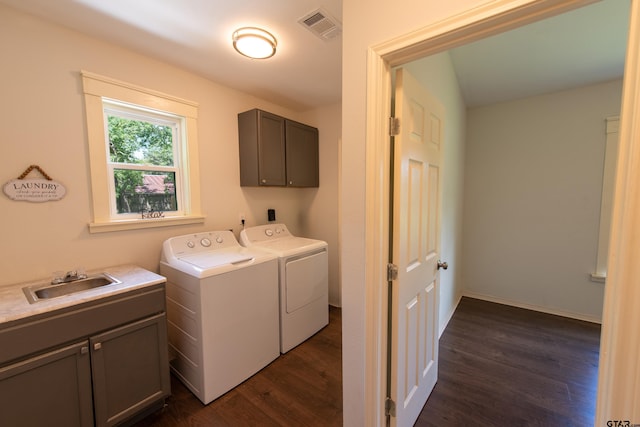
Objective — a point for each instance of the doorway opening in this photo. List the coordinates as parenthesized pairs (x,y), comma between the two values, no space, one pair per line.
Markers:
(394,53)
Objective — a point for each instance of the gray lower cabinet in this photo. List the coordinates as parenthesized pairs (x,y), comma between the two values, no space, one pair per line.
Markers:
(51,389)
(114,369)
(129,369)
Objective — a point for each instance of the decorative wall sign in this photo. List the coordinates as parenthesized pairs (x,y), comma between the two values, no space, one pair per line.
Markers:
(34,190)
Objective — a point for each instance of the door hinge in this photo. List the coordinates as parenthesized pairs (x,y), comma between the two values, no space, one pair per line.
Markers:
(394,126)
(392,272)
(389,407)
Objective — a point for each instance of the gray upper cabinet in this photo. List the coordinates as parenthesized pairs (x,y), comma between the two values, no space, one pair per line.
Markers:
(301,154)
(275,151)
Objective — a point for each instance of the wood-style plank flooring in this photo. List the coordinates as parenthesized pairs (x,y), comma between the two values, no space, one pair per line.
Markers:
(300,388)
(505,366)
(499,366)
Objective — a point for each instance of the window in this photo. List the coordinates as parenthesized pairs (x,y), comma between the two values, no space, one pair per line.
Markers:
(144,161)
(143,156)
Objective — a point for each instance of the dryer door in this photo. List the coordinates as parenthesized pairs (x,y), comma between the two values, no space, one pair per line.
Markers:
(307,279)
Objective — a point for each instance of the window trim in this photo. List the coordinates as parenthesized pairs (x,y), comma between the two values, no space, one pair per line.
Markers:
(97,87)
(612,125)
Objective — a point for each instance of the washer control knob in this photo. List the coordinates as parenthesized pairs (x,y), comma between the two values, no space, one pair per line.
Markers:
(219,239)
(205,242)
(190,244)
(268,232)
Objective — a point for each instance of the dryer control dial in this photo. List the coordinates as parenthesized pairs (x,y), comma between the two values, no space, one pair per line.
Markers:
(219,239)
(268,232)
(205,242)
(190,244)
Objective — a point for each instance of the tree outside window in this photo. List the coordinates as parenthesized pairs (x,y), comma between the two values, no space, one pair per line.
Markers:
(140,143)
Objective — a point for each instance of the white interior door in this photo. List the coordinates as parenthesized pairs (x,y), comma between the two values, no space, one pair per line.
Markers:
(415,248)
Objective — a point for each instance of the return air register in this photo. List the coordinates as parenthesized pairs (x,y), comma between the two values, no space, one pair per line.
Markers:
(323,25)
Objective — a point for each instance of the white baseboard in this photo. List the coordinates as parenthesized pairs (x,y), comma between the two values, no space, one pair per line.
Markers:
(533,307)
(451,313)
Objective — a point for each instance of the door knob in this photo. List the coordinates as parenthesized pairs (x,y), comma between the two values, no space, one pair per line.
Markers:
(442,265)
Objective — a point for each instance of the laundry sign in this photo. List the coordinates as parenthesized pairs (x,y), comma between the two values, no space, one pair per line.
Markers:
(34,189)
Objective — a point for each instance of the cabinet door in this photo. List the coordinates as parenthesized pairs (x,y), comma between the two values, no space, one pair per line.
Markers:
(271,146)
(130,369)
(302,155)
(52,389)
(261,137)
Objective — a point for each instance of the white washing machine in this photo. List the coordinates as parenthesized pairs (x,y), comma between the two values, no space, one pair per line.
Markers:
(222,311)
(304,280)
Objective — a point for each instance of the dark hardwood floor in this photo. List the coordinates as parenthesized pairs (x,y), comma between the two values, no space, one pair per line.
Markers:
(499,366)
(300,388)
(505,366)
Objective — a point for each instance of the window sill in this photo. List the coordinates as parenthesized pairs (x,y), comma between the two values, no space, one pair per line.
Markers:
(136,224)
(596,277)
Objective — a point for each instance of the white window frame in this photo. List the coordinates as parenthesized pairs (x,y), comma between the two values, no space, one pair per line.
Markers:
(606,203)
(99,91)
(137,113)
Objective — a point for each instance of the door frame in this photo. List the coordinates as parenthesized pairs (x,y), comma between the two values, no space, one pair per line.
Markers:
(616,393)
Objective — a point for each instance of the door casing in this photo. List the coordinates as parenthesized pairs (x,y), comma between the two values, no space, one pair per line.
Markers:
(493,18)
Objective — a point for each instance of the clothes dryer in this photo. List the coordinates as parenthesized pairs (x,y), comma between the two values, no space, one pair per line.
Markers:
(222,311)
(303,278)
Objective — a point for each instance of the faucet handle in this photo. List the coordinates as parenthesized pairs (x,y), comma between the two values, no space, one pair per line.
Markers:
(81,273)
(58,277)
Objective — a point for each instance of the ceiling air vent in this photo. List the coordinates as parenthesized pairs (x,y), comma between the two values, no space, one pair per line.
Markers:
(321,24)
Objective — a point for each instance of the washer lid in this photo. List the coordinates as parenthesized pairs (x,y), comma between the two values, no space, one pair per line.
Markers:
(213,259)
(290,245)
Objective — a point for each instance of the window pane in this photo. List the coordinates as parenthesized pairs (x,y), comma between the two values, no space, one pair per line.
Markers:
(139,142)
(140,191)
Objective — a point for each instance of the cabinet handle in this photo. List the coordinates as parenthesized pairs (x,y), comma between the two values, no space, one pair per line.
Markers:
(97,346)
(84,350)
(264,181)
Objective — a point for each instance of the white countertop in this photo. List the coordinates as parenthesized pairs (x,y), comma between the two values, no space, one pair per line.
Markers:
(14,304)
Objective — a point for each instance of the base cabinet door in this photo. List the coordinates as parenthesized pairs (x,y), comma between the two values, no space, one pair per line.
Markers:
(51,389)
(129,369)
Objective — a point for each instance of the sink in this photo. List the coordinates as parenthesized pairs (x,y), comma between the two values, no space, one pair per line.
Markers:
(47,291)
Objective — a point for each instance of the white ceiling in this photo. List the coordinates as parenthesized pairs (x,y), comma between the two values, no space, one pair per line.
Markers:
(196,35)
(580,47)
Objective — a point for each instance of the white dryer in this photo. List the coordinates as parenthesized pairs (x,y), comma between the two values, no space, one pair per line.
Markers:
(304,280)
(222,311)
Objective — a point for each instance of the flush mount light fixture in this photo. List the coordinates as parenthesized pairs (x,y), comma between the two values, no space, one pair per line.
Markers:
(254,42)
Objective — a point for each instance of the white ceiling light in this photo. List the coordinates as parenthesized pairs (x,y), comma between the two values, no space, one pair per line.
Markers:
(254,42)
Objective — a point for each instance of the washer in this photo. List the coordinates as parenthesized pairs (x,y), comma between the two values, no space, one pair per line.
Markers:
(222,311)
(304,280)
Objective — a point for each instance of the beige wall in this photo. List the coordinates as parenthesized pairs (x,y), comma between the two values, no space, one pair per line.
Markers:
(320,213)
(43,123)
(532,199)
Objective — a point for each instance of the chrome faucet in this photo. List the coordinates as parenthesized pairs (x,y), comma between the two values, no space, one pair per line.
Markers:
(70,276)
